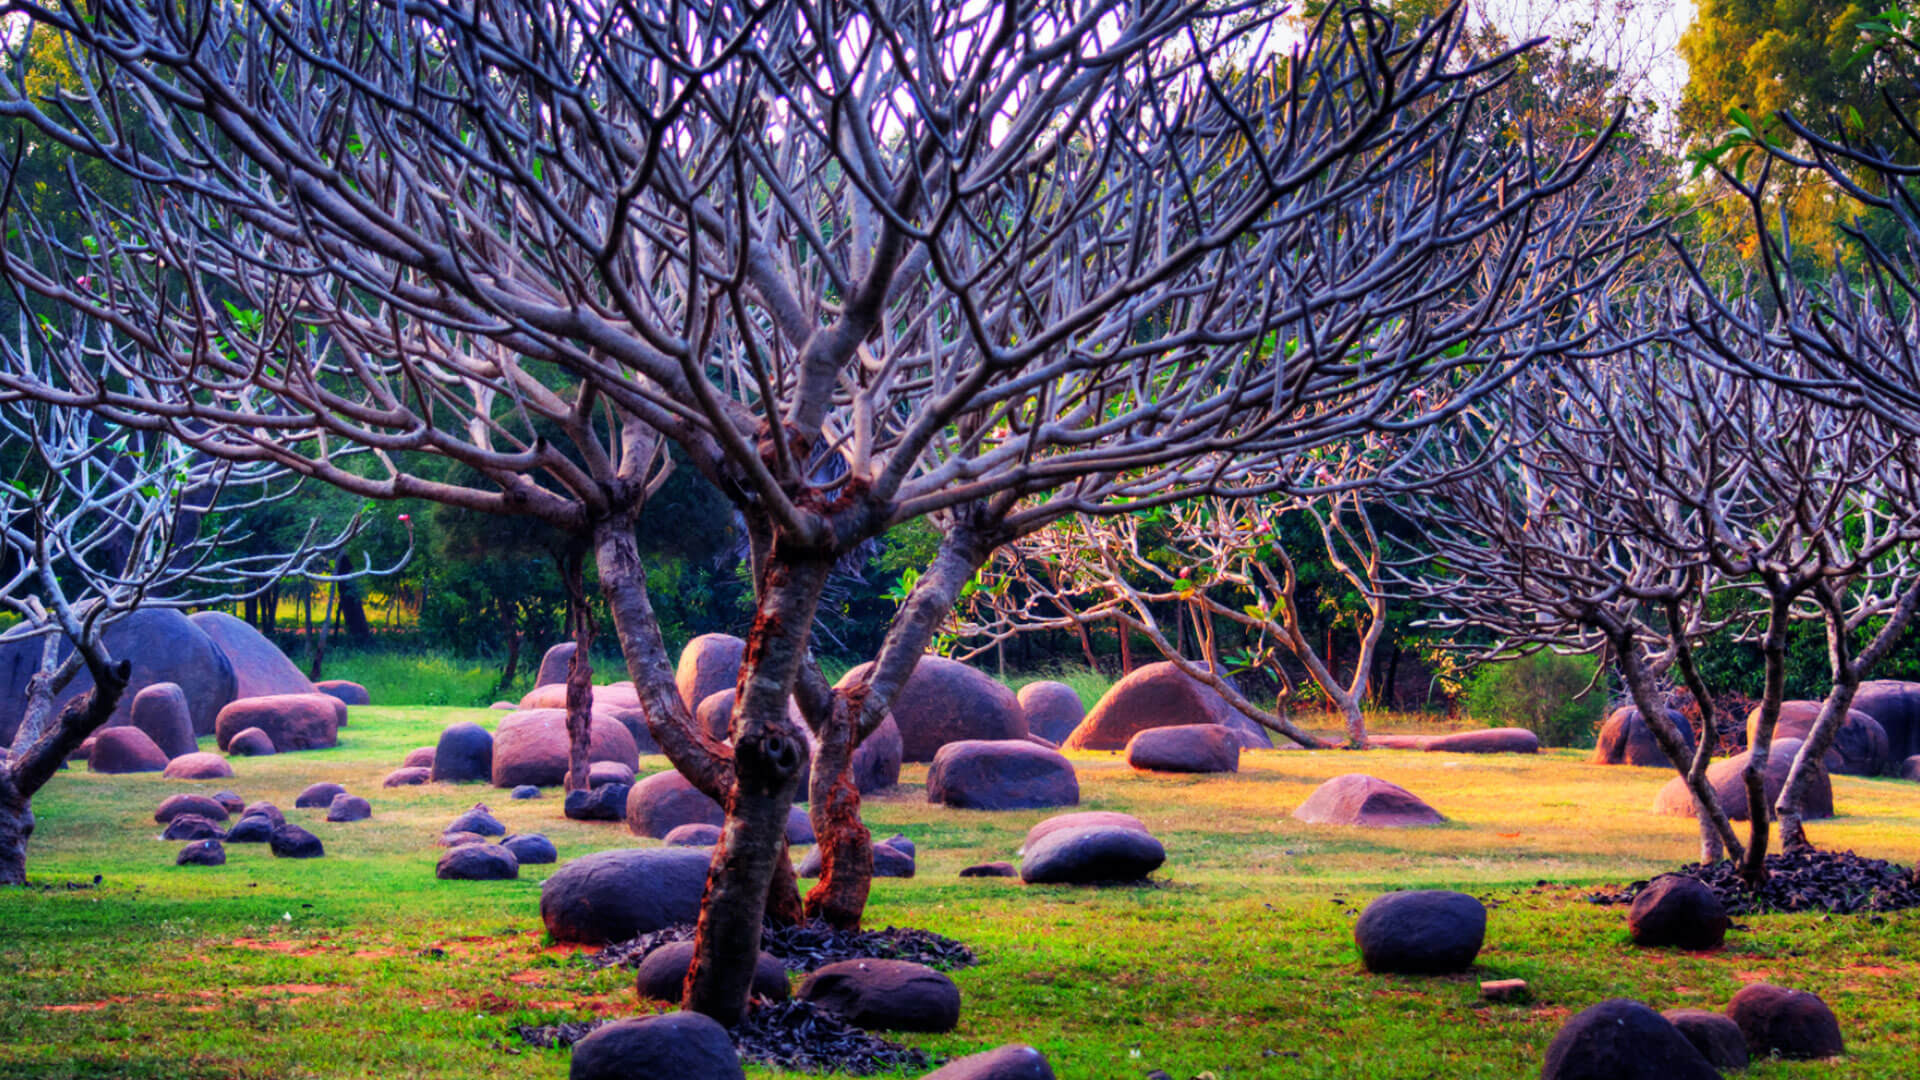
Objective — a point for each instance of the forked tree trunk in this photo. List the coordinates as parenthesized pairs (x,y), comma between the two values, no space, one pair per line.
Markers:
(1773,649)
(1706,805)
(38,756)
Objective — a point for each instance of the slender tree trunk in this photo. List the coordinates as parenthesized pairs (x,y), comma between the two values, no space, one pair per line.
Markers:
(839,897)
(1712,847)
(1791,806)
(1773,648)
(579,672)
(512,668)
(1126,651)
(34,760)
(16,828)
(353,610)
(1706,805)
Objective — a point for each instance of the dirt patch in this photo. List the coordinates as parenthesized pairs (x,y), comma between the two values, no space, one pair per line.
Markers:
(287,948)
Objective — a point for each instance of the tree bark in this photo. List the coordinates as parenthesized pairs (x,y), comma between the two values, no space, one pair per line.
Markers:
(512,667)
(579,673)
(33,762)
(1713,846)
(16,828)
(1706,805)
(1773,649)
(353,610)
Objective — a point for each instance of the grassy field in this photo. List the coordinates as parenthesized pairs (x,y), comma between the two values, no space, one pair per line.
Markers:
(1237,962)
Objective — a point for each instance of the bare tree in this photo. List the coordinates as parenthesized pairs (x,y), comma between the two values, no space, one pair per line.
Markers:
(997,264)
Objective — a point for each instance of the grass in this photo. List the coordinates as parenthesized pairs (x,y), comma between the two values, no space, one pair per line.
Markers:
(1238,961)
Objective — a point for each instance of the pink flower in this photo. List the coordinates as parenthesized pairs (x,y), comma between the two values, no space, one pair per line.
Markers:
(81,281)
(406,517)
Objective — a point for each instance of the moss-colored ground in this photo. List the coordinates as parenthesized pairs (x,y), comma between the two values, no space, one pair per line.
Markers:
(1237,962)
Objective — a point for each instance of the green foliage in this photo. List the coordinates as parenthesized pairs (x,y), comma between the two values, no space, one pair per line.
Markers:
(1537,692)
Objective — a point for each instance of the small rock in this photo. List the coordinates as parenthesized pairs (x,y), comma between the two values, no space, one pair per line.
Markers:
(318,796)
(411,776)
(191,827)
(457,838)
(525,791)
(1787,1023)
(1015,1062)
(1716,1037)
(1678,911)
(349,693)
(663,974)
(1504,990)
(888,861)
(531,849)
(478,862)
(266,810)
(478,820)
(202,853)
(601,773)
(345,807)
(175,805)
(199,765)
(420,757)
(251,742)
(229,801)
(294,842)
(693,834)
(251,829)
(1622,1040)
(671,1046)
(1092,855)
(885,995)
(799,827)
(608,802)
(1422,932)
(990,869)
(899,842)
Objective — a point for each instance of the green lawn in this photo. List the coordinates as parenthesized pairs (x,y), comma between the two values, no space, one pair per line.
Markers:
(1237,962)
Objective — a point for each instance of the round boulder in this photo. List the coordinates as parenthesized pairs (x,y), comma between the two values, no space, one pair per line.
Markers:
(1785,1023)
(667,800)
(266,810)
(1506,740)
(1012,1062)
(693,834)
(663,974)
(1053,709)
(618,895)
(479,821)
(345,808)
(1910,768)
(945,701)
(250,829)
(199,765)
(1091,854)
(191,827)
(1716,1037)
(294,842)
(1185,748)
(161,711)
(601,773)
(1001,774)
(477,862)
(709,664)
(531,849)
(1082,819)
(260,669)
(421,757)
(233,803)
(1860,748)
(1423,932)
(209,852)
(292,721)
(317,796)
(608,802)
(876,761)
(1157,695)
(1627,739)
(348,693)
(175,805)
(412,776)
(524,791)
(125,750)
(1366,801)
(1677,911)
(1622,1040)
(554,665)
(799,827)
(161,644)
(885,995)
(888,861)
(464,753)
(1730,787)
(531,747)
(679,1045)
(251,742)
(1896,706)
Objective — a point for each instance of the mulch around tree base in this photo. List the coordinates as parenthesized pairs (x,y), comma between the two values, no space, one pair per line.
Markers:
(797,1036)
(810,946)
(1839,882)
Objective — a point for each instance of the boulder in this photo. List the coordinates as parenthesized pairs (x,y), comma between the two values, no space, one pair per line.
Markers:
(1506,740)
(161,711)
(1910,768)
(175,805)
(667,800)
(876,761)
(1730,787)
(192,827)
(460,838)
(799,827)
(292,721)
(228,800)
(1185,748)
(1013,1062)
(1785,1023)
(605,699)
(209,852)
(199,765)
(634,719)
(1627,739)
(479,821)
(421,757)
(601,773)
(266,810)
(709,664)
(125,750)
(1895,705)
(885,995)
(1081,819)
(714,714)
(1091,854)
(618,895)
(1622,1040)
(663,974)
(348,693)
(260,669)
(671,1046)
(554,664)
(608,802)
(251,742)
(294,842)
(317,796)
(477,862)
(990,869)
(1366,801)
(412,776)
(251,829)
(505,706)
(524,791)
(945,701)
(531,747)
(1422,932)
(1053,710)
(899,842)
(1001,774)
(1678,911)
(163,646)
(693,834)
(345,808)
(531,849)
(1861,745)
(888,861)
(463,754)
(1399,742)
(1718,1038)
(1158,695)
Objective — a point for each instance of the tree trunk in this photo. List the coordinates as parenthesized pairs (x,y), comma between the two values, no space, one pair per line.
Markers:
(579,672)
(1773,648)
(1791,806)
(353,610)
(16,827)
(511,670)
(35,760)
(1712,847)
(1706,805)
(839,897)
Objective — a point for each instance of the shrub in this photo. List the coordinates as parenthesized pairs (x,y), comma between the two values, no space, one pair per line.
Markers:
(1537,692)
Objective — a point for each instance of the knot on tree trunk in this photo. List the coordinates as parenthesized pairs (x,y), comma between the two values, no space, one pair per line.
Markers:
(768,762)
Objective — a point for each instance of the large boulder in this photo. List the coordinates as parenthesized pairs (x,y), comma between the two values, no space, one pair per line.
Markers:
(889,860)
(192,827)
(554,664)
(1678,911)
(1627,739)
(199,765)
(125,750)
(607,802)
(174,805)
(293,721)
(1053,709)
(318,796)
(618,895)
(464,753)
(1003,774)
(1091,854)
(1013,1062)
(1622,1040)
(162,645)
(477,862)
(1157,695)
(294,842)
(1860,747)
(876,761)
(1081,819)
(667,800)
(1421,932)
(346,808)
(663,973)
(885,995)
(1896,706)
(605,699)
(1507,740)
(349,693)
(672,1046)
(531,849)
(531,747)
(1185,748)
(1715,1035)
(1785,1023)
(1730,787)
(251,742)
(161,711)
(1366,801)
(260,669)
(709,664)
(945,701)
(206,852)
